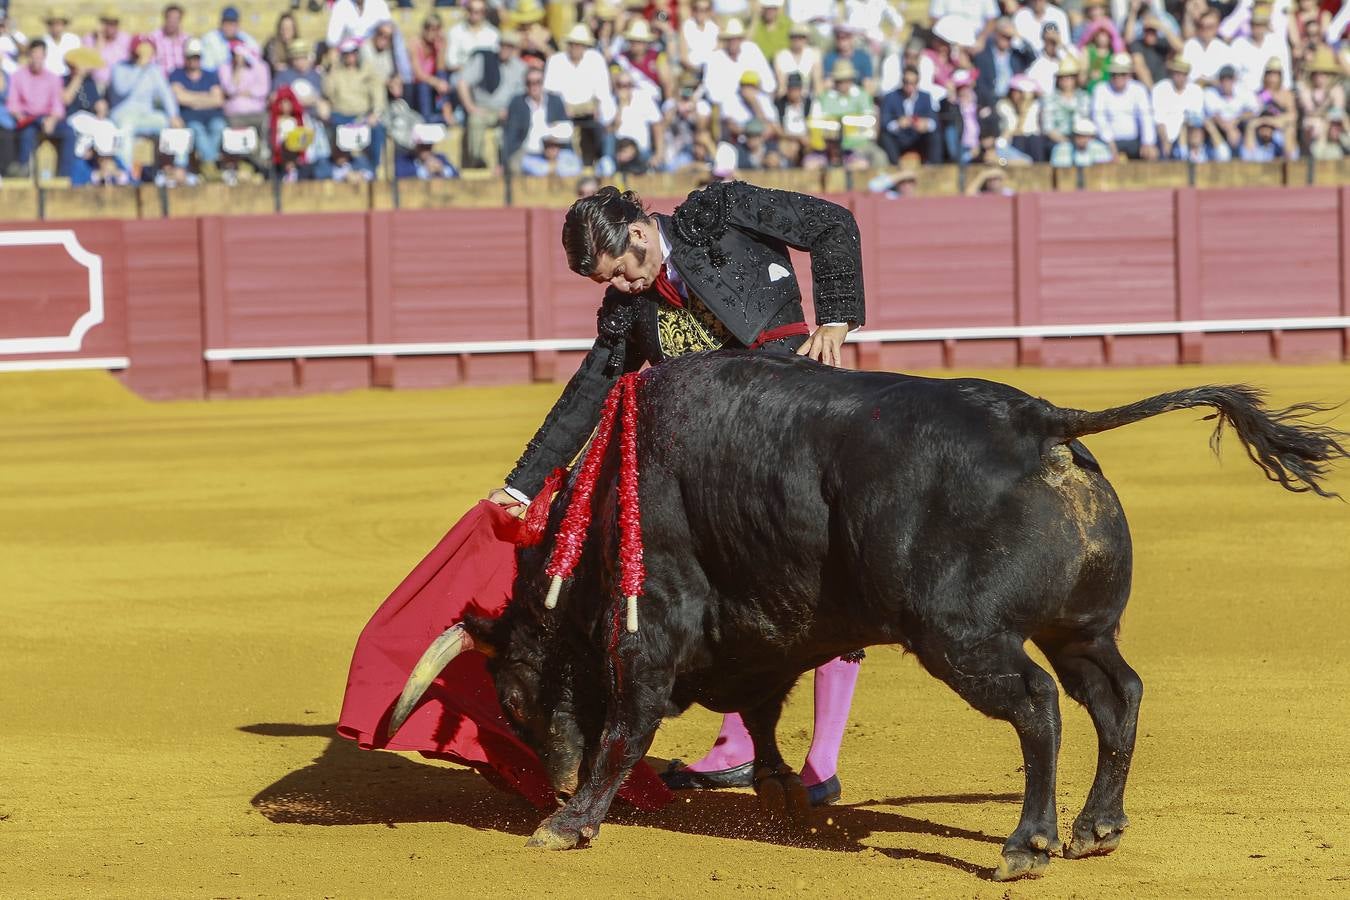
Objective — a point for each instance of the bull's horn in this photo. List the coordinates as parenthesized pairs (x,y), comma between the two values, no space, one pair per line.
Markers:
(554,589)
(454,641)
(632,614)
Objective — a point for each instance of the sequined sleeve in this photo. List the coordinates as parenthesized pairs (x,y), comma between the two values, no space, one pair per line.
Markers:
(572,419)
(823,229)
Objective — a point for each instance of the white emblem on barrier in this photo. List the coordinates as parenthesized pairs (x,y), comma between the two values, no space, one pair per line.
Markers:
(87,320)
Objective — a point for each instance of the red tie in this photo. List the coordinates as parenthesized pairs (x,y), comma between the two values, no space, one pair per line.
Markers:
(667,290)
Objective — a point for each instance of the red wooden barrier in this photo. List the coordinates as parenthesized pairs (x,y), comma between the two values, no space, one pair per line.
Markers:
(265,304)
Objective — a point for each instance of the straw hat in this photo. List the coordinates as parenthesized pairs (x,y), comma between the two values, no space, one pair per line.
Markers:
(1121,64)
(1177,64)
(1068,68)
(580,34)
(734,29)
(799,30)
(843,71)
(606,12)
(1274,65)
(986,175)
(297,47)
(84,58)
(56,14)
(1325,61)
(1024,83)
(638,30)
(1084,127)
(528,12)
(109,14)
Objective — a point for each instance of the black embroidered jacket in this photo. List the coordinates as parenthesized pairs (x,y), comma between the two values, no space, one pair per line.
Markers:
(729,242)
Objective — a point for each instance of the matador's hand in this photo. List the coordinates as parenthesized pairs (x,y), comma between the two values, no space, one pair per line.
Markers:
(824,344)
(511,504)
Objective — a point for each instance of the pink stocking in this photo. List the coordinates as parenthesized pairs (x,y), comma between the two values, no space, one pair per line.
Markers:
(834,695)
(732,748)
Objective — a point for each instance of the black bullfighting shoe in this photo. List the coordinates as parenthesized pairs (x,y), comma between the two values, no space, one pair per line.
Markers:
(826,793)
(678,777)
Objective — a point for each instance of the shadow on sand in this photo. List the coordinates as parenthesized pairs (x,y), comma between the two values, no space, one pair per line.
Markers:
(349,786)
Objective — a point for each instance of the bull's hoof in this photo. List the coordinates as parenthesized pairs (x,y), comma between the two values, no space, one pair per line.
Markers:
(1027,861)
(782,796)
(545,838)
(1096,837)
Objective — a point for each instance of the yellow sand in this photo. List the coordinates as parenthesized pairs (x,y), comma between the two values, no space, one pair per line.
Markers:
(181,585)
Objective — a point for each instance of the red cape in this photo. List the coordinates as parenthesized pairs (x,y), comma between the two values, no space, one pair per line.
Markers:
(470,570)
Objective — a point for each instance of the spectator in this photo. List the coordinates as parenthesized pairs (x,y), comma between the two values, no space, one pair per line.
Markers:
(1083,149)
(1095,19)
(59,41)
(1251,54)
(819,15)
(9,140)
(1032,18)
(1001,59)
(354,20)
(1175,101)
(275,52)
(1230,105)
(637,120)
(556,156)
(1151,51)
(528,119)
(170,40)
(580,77)
(749,104)
(82,97)
(770,30)
(989,182)
(1207,52)
(216,43)
(350,161)
(982,14)
(1202,143)
(699,34)
(1275,99)
(300,146)
(909,121)
(1019,123)
(423,162)
(947,52)
(356,95)
(1067,104)
(95,161)
(246,83)
(1101,45)
(687,116)
(1319,94)
(643,62)
(793,107)
(536,41)
(1334,143)
(874,21)
(12,42)
(1265,141)
(1045,70)
(959,118)
(904,183)
(1122,112)
(587,185)
(752,150)
(431,82)
(141,101)
(726,65)
(801,59)
(1309,21)
(384,54)
(846,48)
(912,54)
(35,101)
(305,81)
(111,43)
(849,105)
(486,86)
(473,34)
(201,102)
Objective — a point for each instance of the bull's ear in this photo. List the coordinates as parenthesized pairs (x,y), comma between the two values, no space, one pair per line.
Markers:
(485,634)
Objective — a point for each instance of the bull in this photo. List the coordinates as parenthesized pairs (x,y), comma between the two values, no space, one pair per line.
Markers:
(793,512)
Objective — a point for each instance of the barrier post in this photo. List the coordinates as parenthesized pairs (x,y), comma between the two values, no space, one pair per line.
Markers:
(1186,252)
(211,240)
(1343,208)
(379,293)
(540,245)
(1027,273)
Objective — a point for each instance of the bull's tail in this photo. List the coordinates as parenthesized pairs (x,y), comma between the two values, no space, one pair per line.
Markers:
(1287,447)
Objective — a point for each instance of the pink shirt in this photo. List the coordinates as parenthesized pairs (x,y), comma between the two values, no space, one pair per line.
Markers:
(169,50)
(113,52)
(246,89)
(33,96)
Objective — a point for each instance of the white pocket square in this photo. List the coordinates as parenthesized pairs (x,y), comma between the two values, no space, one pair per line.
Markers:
(776,272)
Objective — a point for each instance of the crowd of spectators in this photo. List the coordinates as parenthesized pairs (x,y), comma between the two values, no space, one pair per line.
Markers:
(719,85)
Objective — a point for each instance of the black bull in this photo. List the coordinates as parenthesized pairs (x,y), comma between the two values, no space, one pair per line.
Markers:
(793,512)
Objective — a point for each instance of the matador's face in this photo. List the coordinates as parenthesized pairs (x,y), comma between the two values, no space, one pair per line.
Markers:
(635,271)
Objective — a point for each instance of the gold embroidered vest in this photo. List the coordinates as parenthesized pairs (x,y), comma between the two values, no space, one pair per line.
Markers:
(689,330)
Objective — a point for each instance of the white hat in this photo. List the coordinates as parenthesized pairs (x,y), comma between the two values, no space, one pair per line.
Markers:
(639,30)
(1084,127)
(175,141)
(580,34)
(428,133)
(771,4)
(192,48)
(239,141)
(734,29)
(559,133)
(724,160)
(353,138)
(955,29)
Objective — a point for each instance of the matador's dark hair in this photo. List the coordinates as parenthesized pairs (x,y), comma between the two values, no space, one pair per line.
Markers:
(599,224)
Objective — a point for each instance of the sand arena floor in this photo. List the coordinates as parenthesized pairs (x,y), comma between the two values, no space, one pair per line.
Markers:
(181,585)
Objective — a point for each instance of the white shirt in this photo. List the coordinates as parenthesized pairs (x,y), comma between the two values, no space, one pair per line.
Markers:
(463,41)
(1029,27)
(1221,107)
(722,74)
(728,8)
(534,138)
(1250,60)
(581,82)
(57,50)
(1045,70)
(867,16)
(739,112)
(1171,107)
(804,12)
(10,43)
(347,21)
(699,41)
(1125,115)
(1207,61)
(635,121)
(977,11)
(784,64)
